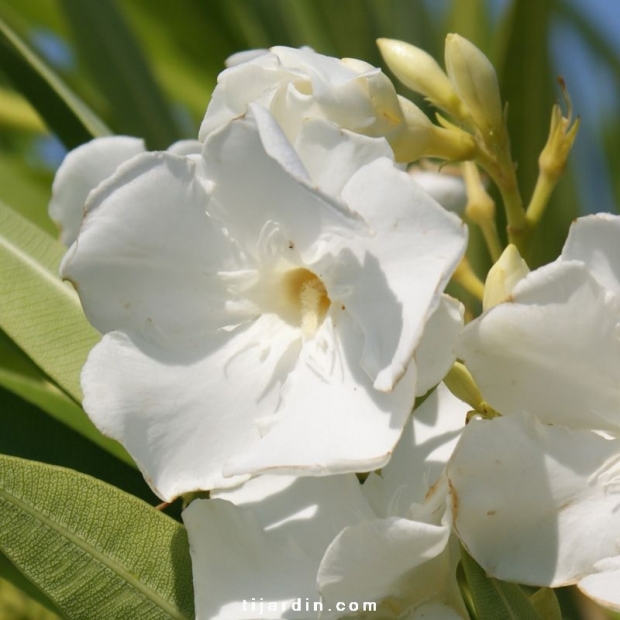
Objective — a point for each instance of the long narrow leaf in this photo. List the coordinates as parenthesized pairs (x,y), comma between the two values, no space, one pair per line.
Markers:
(28,432)
(494,599)
(39,312)
(29,592)
(39,391)
(530,89)
(97,552)
(63,111)
(110,51)
(42,315)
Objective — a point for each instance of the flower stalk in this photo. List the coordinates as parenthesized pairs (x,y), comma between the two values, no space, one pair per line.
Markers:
(480,209)
(466,277)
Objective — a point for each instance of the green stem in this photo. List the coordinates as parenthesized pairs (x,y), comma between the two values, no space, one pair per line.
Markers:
(501,170)
(465,276)
(545,185)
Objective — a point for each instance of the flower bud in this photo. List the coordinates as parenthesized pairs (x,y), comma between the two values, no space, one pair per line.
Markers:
(475,81)
(503,277)
(420,138)
(420,72)
(562,134)
(462,385)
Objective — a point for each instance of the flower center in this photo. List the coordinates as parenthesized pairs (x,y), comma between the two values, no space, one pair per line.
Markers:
(307,296)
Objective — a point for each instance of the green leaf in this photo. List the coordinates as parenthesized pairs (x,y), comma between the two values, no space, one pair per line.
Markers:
(28,432)
(25,597)
(494,599)
(22,377)
(120,71)
(546,604)
(65,114)
(40,312)
(27,190)
(42,316)
(528,84)
(97,552)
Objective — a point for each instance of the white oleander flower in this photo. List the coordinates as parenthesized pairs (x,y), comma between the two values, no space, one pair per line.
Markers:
(297,85)
(278,540)
(88,165)
(538,489)
(263,309)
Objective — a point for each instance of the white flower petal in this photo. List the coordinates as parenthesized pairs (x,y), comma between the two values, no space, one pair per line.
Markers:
(180,411)
(148,255)
(602,586)
(244,56)
(375,559)
(595,240)
(553,350)
(332,155)
(295,85)
(414,250)
(185,148)
(536,504)
(420,456)
(234,562)
(413,240)
(274,187)
(269,545)
(447,189)
(311,511)
(331,420)
(80,172)
(436,352)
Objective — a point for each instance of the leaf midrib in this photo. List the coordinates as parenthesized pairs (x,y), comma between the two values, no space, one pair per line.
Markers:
(118,569)
(14,250)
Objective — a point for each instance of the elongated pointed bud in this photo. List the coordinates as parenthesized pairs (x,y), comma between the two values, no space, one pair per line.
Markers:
(503,277)
(420,72)
(420,138)
(562,134)
(460,382)
(475,81)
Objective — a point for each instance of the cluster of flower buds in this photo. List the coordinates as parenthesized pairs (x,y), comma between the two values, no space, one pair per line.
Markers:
(468,92)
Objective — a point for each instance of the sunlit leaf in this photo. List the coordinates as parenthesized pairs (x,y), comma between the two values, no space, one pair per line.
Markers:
(546,604)
(39,312)
(17,115)
(27,190)
(97,552)
(65,114)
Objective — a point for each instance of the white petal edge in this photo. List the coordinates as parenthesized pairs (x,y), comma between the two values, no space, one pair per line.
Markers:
(533,503)
(437,350)
(552,350)
(331,420)
(234,562)
(148,254)
(374,560)
(81,171)
(420,456)
(602,586)
(179,410)
(410,258)
(269,544)
(595,240)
